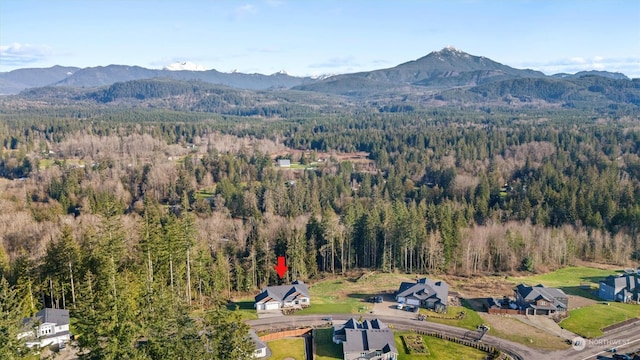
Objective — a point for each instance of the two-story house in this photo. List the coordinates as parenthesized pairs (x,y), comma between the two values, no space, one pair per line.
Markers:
(541,300)
(367,339)
(426,293)
(623,288)
(48,327)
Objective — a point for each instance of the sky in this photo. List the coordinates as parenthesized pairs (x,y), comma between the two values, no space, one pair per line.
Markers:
(319,37)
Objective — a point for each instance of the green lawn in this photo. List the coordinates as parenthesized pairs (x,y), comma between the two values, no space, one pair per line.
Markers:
(245,307)
(438,349)
(589,320)
(471,320)
(287,348)
(571,276)
(326,349)
(348,295)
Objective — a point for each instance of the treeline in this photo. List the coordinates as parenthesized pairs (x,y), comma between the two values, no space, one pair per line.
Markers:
(145,213)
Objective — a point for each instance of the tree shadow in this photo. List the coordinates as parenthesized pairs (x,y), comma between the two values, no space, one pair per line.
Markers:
(241,305)
(324,346)
(363,297)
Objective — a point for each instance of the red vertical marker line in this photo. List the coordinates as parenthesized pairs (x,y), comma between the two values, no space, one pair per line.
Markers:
(281,268)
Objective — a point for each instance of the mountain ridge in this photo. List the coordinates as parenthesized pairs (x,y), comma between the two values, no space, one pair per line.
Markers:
(437,72)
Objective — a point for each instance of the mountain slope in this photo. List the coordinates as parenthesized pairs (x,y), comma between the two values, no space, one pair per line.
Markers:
(448,67)
(14,81)
(100,76)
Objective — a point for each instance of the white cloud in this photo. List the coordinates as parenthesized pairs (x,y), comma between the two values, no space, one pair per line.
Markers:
(628,66)
(17,54)
(243,11)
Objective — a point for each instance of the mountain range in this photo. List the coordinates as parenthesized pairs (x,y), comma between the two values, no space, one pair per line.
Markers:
(448,75)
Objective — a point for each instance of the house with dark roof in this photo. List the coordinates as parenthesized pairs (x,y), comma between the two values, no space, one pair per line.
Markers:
(426,293)
(295,295)
(48,327)
(368,339)
(541,300)
(623,288)
(340,331)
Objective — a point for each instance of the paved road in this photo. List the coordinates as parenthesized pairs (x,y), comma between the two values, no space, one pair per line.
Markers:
(398,323)
(626,339)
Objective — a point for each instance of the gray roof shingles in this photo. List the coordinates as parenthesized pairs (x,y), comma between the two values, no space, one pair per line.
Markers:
(424,289)
(284,292)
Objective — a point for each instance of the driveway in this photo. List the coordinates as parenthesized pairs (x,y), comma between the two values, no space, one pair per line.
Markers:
(388,308)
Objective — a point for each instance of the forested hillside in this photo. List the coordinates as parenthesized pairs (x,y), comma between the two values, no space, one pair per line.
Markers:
(138,217)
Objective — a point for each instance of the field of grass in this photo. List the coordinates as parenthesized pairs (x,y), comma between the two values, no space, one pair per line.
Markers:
(348,295)
(471,320)
(438,349)
(326,349)
(245,307)
(288,348)
(514,330)
(589,320)
(572,276)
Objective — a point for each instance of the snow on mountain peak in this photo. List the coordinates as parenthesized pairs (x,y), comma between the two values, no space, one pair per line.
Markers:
(451,49)
(184,65)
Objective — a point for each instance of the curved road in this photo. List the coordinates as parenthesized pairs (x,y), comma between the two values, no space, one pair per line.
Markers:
(626,339)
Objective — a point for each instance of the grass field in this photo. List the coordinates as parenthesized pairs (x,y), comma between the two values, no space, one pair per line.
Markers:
(471,320)
(572,276)
(289,348)
(326,349)
(438,349)
(514,330)
(589,320)
(348,295)
(245,307)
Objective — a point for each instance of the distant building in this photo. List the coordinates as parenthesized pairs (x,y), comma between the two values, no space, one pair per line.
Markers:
(368,339)
(623,288)
(48,327)
(426,293)
(541,300)
(284,163)
(283,296)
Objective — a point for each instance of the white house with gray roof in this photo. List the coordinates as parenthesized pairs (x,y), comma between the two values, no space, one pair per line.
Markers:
(48,327)
(367,339)
(541,300)
(295,295)
(426,293)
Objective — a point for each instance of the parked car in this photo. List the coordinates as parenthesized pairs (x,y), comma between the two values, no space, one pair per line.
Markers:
(378,299)
(621,357)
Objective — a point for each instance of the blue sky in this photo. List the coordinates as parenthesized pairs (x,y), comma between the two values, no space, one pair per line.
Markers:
(312,37)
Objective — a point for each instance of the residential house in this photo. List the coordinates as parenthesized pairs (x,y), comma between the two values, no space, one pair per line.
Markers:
(340,331)
(261,347)
(426,293)
(48,327)
(541,300)
(623,288)
(295,295)
(369,339)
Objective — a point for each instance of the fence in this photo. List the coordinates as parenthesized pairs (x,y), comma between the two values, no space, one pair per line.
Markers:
(284,334)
